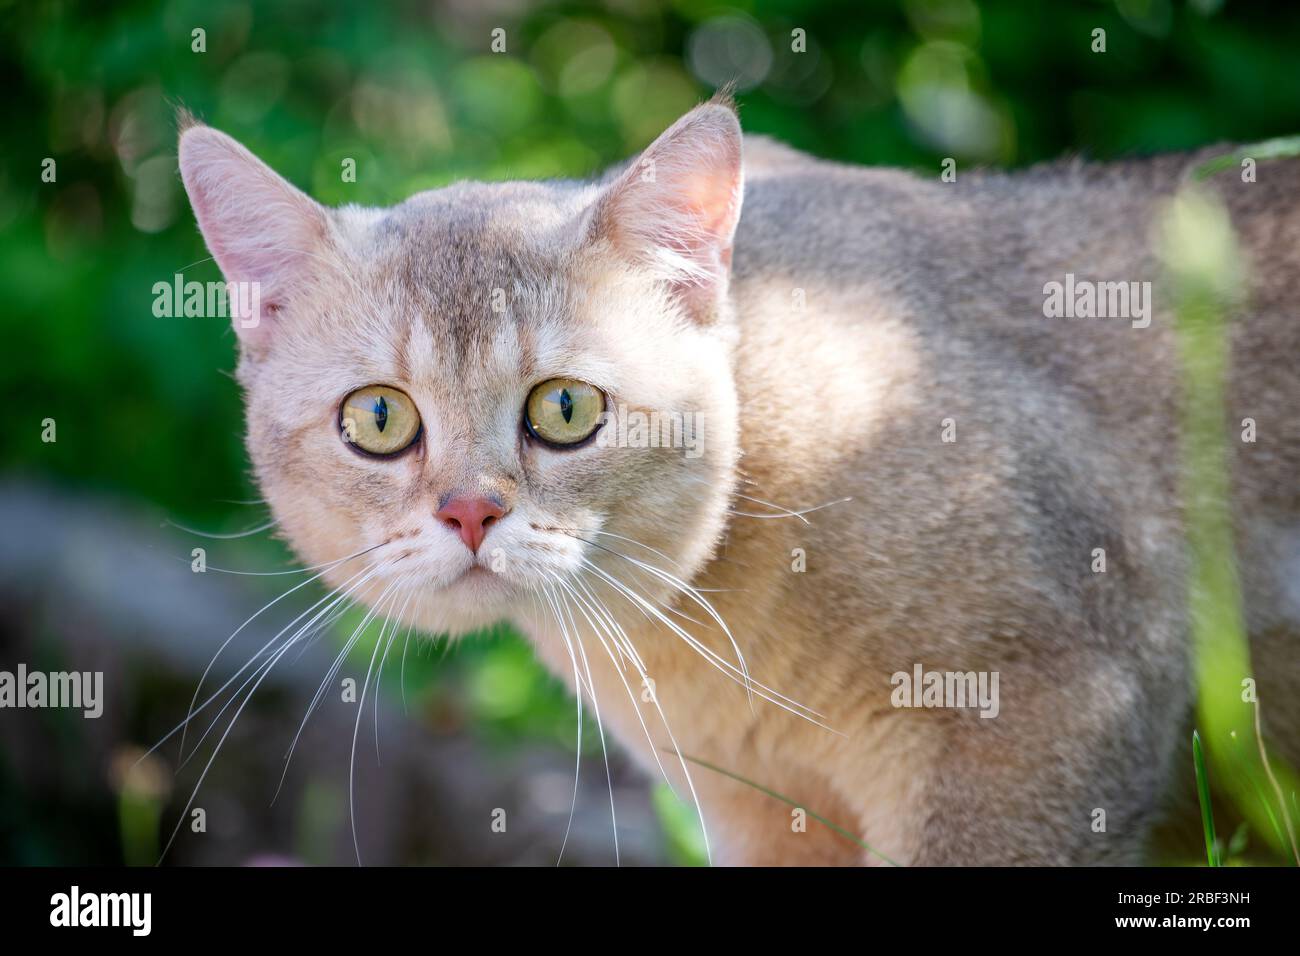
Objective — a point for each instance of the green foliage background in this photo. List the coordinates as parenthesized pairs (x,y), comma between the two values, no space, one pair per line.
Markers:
(413,93)
(418,100)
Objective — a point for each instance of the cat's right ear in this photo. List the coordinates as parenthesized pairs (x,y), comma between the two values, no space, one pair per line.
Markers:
(675,209)
(264,234)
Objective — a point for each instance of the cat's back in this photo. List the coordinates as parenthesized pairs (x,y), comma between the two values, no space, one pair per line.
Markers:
(820,219)
(883,312)
(962,271)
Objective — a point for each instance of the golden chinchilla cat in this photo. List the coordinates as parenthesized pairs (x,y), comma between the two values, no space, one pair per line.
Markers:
(752,446)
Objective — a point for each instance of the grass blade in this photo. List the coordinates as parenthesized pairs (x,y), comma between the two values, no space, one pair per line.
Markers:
(848,835)
(1207,812)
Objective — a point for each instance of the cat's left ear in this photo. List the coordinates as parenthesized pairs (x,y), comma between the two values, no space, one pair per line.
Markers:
(675,209)
(266,235)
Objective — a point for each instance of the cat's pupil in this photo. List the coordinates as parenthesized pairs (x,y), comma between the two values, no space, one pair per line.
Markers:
(381,413)
(566,405)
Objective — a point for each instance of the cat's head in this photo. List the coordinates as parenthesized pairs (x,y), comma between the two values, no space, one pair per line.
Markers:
(475,387)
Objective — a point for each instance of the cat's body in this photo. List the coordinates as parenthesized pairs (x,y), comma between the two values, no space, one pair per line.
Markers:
(924,303)
(869,316)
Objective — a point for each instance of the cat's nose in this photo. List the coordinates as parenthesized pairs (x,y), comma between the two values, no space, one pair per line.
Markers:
(470,518)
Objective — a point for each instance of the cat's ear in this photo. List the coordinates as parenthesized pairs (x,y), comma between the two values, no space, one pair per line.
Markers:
(265,234)
(675,209)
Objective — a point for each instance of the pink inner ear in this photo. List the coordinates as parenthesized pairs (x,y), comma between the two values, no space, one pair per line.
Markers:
(675,210)
(262,231)
(711,195)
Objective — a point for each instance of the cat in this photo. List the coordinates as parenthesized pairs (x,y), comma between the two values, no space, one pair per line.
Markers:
(902,466)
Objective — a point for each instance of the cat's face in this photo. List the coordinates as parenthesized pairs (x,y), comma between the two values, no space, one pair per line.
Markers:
(456,386)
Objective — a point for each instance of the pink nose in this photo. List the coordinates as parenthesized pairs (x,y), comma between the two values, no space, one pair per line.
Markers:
(470,518)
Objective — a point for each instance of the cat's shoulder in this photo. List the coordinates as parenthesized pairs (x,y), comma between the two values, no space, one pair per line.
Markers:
(764,156)
(768,158)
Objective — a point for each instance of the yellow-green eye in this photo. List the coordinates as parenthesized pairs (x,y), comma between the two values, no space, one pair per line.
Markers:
(564,411)
(379,420)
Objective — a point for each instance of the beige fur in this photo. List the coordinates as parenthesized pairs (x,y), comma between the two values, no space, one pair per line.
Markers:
(923,302)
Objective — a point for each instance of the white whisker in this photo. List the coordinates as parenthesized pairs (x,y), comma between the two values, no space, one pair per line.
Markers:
(320,621)
(600,727)
(719,663)
(577,683)
(654,699)
(223,537)
(694,595)
(329,676)
(181,728)
(361,709)
(392,634)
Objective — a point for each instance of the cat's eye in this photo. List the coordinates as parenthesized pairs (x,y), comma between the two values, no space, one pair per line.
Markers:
(379,420)
(564,411)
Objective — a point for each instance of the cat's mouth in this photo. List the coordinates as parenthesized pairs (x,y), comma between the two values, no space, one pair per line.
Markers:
(512,563)
(478,580)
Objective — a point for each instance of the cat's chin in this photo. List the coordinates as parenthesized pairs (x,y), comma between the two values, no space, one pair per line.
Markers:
(478,586)
(476,599)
